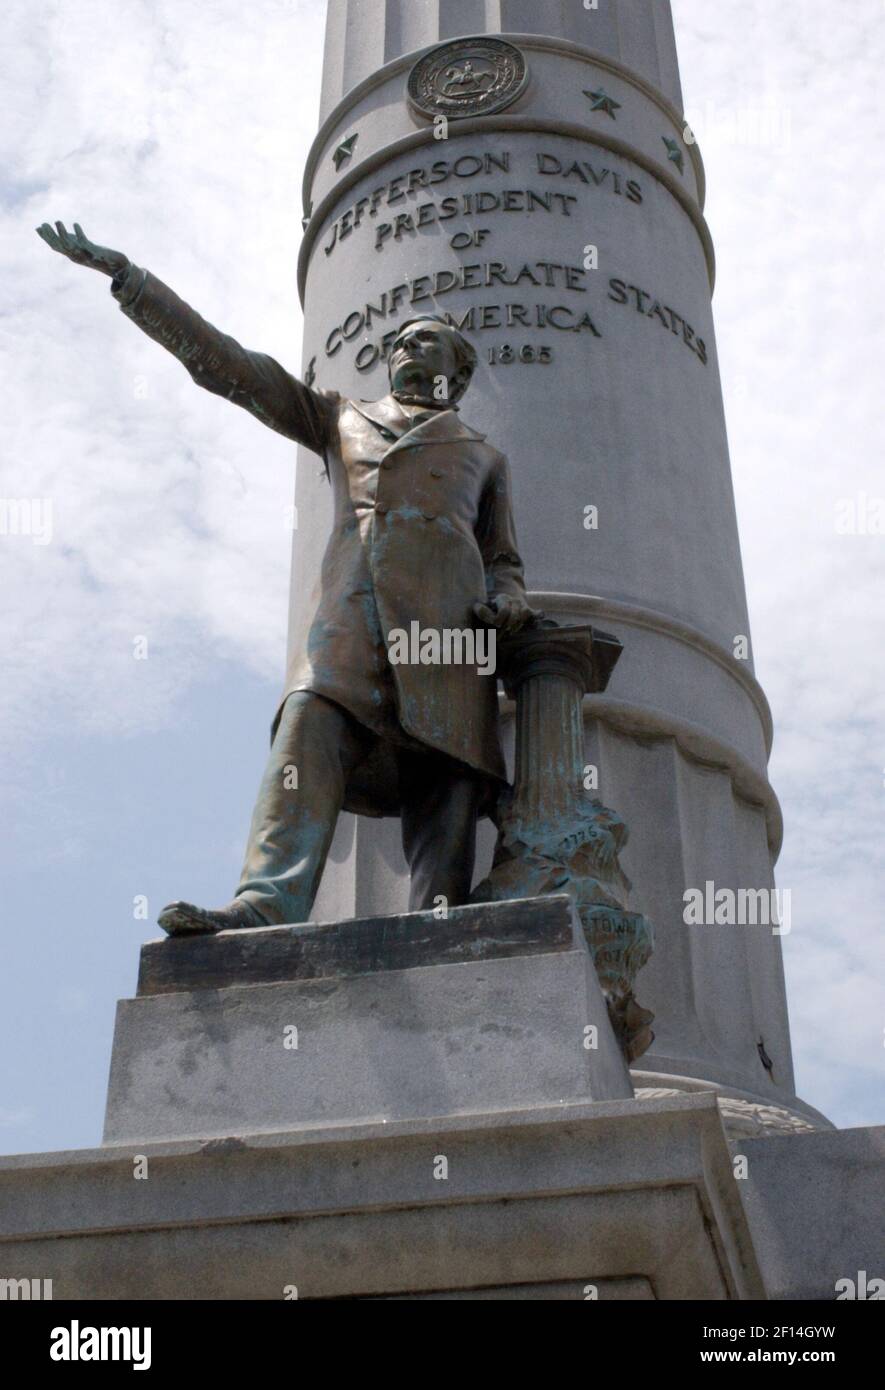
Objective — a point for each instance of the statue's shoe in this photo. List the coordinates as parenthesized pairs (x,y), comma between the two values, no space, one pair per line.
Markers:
(184,919)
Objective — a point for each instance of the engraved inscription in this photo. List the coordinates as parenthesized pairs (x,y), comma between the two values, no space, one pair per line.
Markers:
(645,303)
(479,275)
(480,317)
(528,354)
(396,192)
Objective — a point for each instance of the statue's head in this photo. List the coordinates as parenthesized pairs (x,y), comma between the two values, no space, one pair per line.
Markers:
(426,349)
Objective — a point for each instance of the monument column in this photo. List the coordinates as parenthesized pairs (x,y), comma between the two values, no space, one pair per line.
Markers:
(522,168)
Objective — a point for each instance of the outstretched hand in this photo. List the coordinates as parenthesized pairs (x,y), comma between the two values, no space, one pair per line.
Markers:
(79,249)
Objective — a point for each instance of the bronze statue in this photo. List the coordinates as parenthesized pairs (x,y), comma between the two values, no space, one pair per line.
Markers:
(423,532)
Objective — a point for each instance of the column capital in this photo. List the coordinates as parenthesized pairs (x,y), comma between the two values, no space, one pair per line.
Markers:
(581,654)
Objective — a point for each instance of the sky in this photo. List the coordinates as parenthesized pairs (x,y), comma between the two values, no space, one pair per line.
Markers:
(144,627)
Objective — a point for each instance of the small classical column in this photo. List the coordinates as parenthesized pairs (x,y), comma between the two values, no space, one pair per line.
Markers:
(552,836)
(547,670)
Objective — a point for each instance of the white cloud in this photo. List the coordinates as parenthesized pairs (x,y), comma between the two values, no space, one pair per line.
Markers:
(166,131)
(800,309)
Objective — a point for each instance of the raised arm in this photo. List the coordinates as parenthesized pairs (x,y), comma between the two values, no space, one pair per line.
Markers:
(215,361)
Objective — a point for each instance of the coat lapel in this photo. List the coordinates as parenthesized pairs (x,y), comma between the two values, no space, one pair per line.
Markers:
(385,414)
(443,427)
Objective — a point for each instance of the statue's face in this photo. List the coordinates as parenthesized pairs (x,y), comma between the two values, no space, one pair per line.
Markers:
(423,352)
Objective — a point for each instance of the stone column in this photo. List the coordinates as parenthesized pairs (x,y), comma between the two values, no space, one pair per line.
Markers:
(552,836)
(548,670)
(557,216)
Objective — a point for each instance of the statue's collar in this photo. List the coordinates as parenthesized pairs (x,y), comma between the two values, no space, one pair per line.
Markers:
(435,426)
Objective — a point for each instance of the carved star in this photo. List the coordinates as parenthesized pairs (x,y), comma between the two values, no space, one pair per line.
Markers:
(603,102)
(344,151)
(674,153)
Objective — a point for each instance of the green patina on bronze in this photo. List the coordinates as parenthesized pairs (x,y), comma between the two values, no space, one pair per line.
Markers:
(553,837)
(423,533)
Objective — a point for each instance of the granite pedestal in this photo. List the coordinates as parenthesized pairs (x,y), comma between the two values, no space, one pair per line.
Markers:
(440,1132)
(496,1008)
(630,1199)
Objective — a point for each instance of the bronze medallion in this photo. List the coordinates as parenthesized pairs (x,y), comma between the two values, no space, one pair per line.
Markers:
(468,77)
